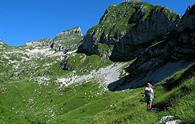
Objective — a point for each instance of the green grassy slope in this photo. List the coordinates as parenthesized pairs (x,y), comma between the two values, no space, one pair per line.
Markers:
(84,64)
(23,100)
(27,102)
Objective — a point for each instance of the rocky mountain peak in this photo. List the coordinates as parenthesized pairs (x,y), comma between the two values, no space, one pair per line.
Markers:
(128,26)
(187,20)
(67,33)
(168,55)
(34,89)
(66,40)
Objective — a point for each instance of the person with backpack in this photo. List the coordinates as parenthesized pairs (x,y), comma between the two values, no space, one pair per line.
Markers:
(149,95)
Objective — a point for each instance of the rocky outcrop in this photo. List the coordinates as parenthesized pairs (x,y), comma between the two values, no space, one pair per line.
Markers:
(169,120)
(69,39)
(130,27)
(40,43)
(179,45)
(187,20)
(176,47)
(64,41)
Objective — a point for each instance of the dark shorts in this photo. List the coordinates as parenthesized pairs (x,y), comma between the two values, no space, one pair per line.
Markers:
(149,100)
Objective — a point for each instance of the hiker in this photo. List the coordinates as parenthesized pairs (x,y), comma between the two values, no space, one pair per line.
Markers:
(149,95)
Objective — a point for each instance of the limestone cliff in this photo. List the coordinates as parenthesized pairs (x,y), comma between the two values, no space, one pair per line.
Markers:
(67,40)
(174,52)
(127,29)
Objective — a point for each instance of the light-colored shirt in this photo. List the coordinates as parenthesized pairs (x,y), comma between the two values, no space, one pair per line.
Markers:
(149,90)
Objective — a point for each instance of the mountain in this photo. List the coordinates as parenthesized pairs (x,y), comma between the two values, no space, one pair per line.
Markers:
(127,29)
(67,40)
(70,39)
(170,54)
(62,80)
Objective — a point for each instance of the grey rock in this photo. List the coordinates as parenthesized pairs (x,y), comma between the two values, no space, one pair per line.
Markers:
(177,46)
(66,40)
(169,120)
(145,28)
(174,122)
(188,19)
(165,119)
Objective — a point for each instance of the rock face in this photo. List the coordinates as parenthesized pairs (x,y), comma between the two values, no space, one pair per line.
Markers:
(188,19)
(39,43)
(175,47)
(64,41)
(130,27)
(169,120)
(69,39)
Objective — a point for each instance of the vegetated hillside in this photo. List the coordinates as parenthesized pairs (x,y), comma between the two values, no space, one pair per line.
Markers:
(29,101)
(174,52)
(127,29)
(42,85)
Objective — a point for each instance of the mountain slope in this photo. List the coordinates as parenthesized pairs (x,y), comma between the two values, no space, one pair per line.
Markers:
(127,29)
(40,84)
(173,53)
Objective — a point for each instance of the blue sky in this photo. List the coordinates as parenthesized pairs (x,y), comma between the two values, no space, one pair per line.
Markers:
(27,20)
